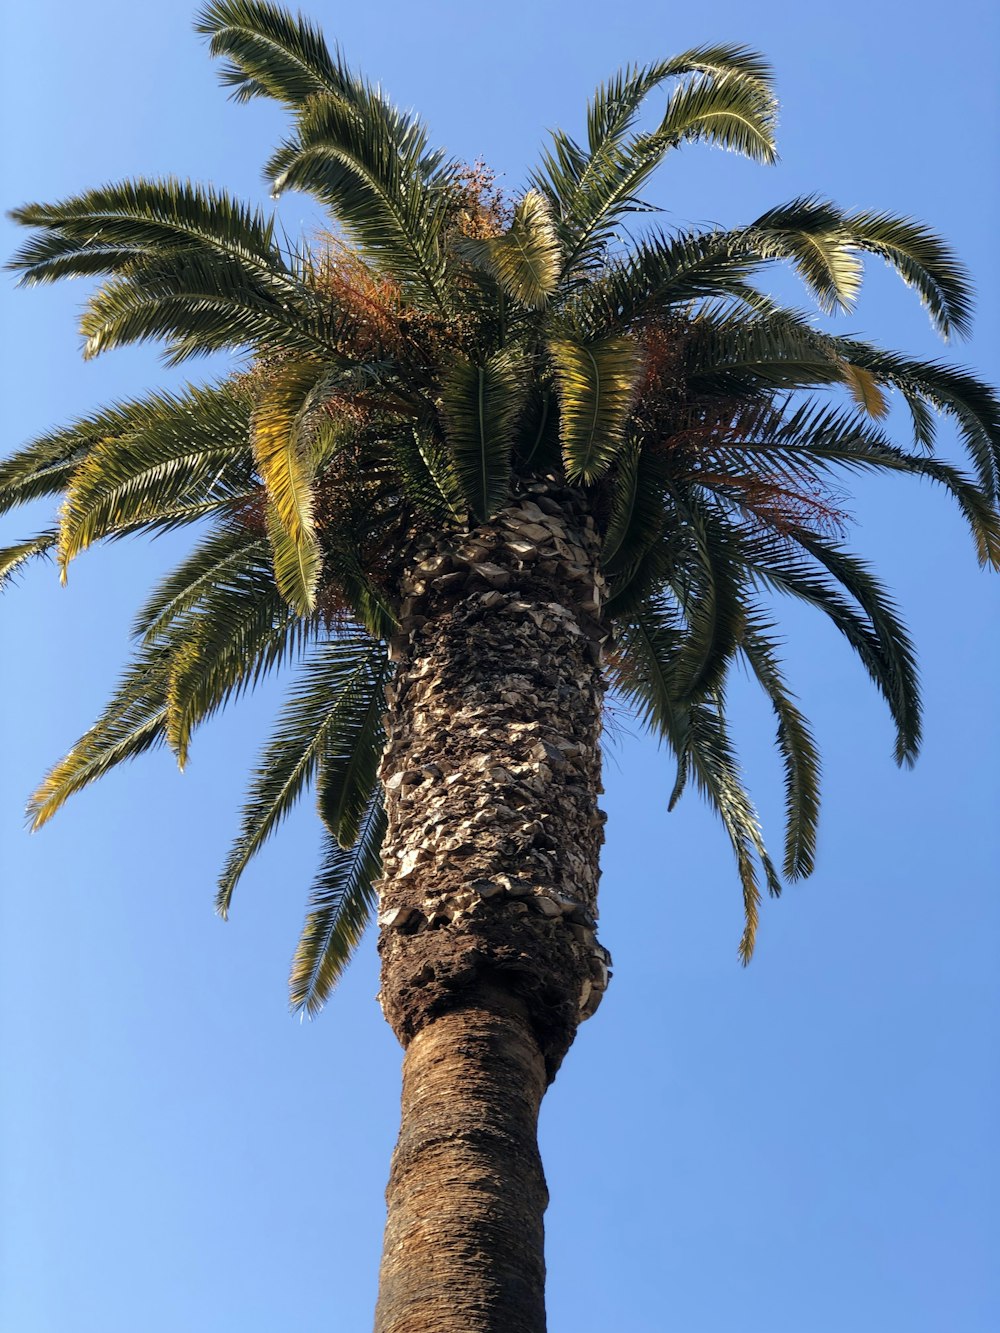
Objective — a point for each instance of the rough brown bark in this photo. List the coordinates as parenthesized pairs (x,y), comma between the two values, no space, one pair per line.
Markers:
(463,1242)
(489,901)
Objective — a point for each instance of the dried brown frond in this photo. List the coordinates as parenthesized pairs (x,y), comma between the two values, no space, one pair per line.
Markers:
(662,392)
(781,506)
(370,314)
(332,608)
(251,514)
(481,209)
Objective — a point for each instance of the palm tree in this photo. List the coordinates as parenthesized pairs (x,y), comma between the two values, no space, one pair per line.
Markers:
(480,462)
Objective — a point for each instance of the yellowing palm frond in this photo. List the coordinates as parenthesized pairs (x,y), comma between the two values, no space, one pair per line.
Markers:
(596,383)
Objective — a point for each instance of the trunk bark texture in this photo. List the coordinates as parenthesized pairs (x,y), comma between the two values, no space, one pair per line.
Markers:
(489,902)
(463,1240)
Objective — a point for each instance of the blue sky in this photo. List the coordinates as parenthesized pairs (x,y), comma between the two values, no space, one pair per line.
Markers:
(807,1146)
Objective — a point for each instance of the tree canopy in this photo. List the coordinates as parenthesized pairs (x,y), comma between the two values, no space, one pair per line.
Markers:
(398,374)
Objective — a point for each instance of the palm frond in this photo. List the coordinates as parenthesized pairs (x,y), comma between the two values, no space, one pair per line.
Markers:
(662,272)
(715,768)
(728,88)
(369,602)
(373,170)
(226,549)
(637,509)
(133,722)
(951,390)
(317,715)
(526,260)
(480,405)
(596,383)
(271,53)
(168,448)
(734,355)
(428,474)
(923,261)
(896,648)
(285,459)
(864,389)
(44,466)
(698,736)
(709,591)
(795,743)
(813,236)
(875,633)
(724,109)
(14,558)
(106,229)
(341,904)
(351,753)
(196,302)
(829,438)
(225,642)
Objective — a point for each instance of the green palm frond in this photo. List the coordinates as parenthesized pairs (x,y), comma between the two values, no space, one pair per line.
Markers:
(480,405)
(142,220)
(662,272)
(612,110)
(225,642)
(281,447)
(298,563)
(14,558)
(709,591)
(144,511)
(133,722)
(897,649)
(812,235)
(820,438)
(369,602)
(374,171)
(715,768)
(341,904)
(874,632)
(40,469)
(644,667)
(428,474)
(637,510)
(736,355)
(160,451)
(723,109)
(923,261)
(317,716)
(596,382)
(197,302)
(45,466)
(950,390)
(698,736)
(226,549)
(271,53)
(727,98)
(795,743)
(351,752)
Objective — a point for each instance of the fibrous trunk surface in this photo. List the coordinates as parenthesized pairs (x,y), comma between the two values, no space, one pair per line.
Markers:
(489,899)
(463,1241)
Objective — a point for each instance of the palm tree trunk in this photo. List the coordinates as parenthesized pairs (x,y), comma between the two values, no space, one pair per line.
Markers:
(488,906)
(463,1241)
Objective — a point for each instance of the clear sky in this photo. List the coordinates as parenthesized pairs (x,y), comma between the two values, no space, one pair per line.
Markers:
(808,1146)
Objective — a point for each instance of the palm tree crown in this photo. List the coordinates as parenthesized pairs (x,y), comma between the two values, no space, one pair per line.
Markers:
(441,351)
